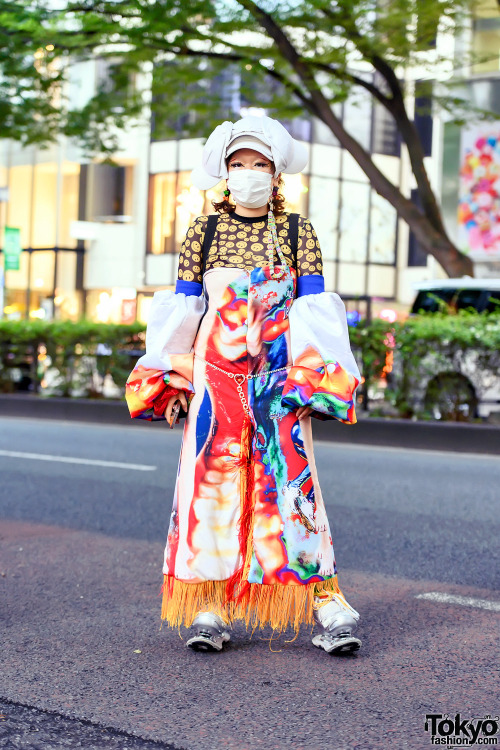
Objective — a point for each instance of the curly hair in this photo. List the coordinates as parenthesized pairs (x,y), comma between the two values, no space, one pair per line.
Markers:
(225,204)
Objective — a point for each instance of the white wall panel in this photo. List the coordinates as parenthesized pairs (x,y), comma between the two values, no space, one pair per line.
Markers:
(163,157)
(111,259)
(161,270)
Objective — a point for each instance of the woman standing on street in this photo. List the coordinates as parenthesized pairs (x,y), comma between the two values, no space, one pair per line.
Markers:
(250,346)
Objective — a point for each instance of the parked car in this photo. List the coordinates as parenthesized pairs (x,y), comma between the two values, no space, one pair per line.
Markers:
(457,387)
(481,295)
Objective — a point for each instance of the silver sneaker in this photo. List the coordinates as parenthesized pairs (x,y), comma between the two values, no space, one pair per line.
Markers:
(338,620)
(209,632)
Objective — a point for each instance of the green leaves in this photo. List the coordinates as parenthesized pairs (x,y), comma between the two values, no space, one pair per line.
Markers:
(33,106)
(417,350)
(412,352)
(71,349)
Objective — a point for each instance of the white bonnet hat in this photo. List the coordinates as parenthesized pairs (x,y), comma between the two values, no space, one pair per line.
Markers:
(289,156)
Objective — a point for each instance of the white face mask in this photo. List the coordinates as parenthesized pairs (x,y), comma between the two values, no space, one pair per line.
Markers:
(250,188)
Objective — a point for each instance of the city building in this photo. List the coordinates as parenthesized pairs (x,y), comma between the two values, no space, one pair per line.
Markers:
(99,239)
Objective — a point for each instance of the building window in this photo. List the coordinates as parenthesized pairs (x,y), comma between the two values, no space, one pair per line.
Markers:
(383,223)
(162,195)
(486,37)
(357,116)
(19,206)
(44,205)
(110,197)
(385,136)
(354,214)
(322,133)
(68,208)
(324,213)
(423,116)
(416,256)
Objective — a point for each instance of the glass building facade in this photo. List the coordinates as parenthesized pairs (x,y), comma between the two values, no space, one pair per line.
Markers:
(42,202)
(98,240)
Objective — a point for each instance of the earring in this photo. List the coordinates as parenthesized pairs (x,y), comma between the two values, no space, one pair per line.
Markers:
(227,193)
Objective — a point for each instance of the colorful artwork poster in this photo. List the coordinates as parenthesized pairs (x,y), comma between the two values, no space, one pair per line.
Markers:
(479,197)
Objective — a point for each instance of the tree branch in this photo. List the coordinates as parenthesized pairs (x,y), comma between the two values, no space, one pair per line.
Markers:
(427,226)
(397,108)
(346,76)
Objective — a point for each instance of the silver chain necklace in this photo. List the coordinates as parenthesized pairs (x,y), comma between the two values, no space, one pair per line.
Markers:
(240,377)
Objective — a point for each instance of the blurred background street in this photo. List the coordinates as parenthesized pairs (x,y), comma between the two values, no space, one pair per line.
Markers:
(82,541)
(105,108)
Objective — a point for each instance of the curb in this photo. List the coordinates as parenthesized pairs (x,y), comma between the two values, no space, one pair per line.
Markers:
(399,433)
(458,437)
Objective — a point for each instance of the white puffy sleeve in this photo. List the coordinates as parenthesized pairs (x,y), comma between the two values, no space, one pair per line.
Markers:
(324,375)
(167,366)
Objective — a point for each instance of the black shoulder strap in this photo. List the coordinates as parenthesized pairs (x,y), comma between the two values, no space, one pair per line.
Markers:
(207,239)
(293,234)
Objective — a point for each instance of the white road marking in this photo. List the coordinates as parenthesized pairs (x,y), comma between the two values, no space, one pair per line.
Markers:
(465,601)
(75,460)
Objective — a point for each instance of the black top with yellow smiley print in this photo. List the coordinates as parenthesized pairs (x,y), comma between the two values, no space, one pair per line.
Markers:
(241,242)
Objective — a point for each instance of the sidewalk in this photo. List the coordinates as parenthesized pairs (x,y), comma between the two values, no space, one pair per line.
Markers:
(399,433)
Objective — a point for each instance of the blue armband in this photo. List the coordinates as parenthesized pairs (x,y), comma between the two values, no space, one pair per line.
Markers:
(312,284)
(189,288)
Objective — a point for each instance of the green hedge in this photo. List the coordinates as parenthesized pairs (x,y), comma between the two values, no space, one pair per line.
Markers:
(429,346)
(422,346)
(72,349)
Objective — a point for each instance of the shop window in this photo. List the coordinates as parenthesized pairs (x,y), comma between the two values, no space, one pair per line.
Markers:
(144,302)
(110,196)
(44,205)
(116,305)
(16,283)
(162,195)
(19,207)
(69,203)
(189,204)
(67,299)
(42,284)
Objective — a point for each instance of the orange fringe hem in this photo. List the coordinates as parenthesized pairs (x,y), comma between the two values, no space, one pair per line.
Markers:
(278,605)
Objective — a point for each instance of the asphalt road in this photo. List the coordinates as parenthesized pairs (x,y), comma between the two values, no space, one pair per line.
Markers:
(84,663)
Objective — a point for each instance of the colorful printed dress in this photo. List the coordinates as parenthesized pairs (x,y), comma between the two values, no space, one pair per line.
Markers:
(249,537)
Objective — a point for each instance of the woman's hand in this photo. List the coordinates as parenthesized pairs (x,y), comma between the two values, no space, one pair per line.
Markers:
(181,396)
(303,412)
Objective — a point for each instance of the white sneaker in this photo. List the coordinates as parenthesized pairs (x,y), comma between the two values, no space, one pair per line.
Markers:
(209,632)
(338,621)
